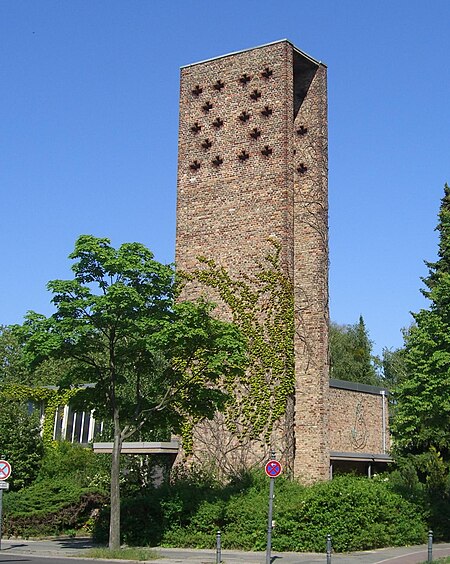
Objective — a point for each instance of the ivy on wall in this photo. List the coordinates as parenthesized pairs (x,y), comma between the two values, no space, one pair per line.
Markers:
(52,398)
(262,306)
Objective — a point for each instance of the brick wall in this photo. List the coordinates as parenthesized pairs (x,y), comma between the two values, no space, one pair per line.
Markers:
(356,421)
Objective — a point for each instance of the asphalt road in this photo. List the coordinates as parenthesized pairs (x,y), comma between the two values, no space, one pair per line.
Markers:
(58,550)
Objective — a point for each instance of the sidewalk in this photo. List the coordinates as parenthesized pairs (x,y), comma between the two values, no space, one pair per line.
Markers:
(76,547)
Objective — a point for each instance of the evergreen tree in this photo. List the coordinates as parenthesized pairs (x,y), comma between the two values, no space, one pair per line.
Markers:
(422,422)
(351,353)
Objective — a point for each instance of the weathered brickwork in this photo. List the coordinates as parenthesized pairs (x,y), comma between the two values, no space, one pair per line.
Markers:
(253,167)
(356,422)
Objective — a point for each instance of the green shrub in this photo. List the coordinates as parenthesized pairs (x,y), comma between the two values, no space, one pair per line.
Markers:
(49,508)
(358,513)
(77,464)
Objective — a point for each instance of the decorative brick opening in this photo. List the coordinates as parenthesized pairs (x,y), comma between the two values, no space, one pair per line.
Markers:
(218,123)
(267,111)
(195,165)
(302,130)
(245,79)
(197,91)
(267,151)
(255,133)
(196,128)
(206,144)
(207,106)
(217,161)
(243,155)
(301,169)
(255,95)
(244,116)
(267,73)
(219,85)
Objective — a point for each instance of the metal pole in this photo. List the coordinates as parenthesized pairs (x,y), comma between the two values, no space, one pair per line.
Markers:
(430,546)
(328,549)
(218,548)
(383,422)
(269,518)
(1,509)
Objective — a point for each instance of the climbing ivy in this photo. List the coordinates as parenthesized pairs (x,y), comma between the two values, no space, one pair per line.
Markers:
(262,306)
(51,397)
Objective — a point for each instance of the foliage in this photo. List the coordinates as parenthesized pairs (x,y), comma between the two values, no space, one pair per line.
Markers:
(423,399)
(262,306)
(77,464)
(351,354)
(359,513)
(50,398)
(424,480)
(155,362)
(392,366)
(49,507)
(20,442)
(13,367)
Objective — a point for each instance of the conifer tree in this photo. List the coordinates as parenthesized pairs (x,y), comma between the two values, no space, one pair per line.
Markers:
(422,422)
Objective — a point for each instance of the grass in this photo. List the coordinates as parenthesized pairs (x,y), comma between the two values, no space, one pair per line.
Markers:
(131,553)
(444,560)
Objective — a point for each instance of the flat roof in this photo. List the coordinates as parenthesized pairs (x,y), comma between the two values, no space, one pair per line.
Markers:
(357,387)
(171,447)
(360,456)
(257,47)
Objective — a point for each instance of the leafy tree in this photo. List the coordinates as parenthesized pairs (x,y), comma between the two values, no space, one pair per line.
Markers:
(392,366)
(423,399)
(13,367)
(20,442)
(155,362)
(351,354)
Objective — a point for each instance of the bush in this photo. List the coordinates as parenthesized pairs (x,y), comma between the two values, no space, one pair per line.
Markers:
(76,464)
(359,514)
(20,442)
(50,508)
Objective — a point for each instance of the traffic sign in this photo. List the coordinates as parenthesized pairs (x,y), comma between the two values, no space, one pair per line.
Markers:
(5,470)
(273,468)
(4,485)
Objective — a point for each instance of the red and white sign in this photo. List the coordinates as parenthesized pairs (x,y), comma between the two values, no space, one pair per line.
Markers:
(5,470)
(273,468)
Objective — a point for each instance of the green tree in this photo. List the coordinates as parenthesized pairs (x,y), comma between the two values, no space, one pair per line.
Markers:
(156,363)
(20,442)
(351,354)
(423,399)
(392,366)
(13,367)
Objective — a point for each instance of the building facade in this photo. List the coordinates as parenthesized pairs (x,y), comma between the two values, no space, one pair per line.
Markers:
(252,168)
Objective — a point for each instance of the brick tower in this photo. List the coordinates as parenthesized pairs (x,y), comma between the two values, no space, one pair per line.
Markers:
(253,166)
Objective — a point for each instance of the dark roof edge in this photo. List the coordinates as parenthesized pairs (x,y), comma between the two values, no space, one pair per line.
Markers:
(357,387)
(363,456)
(315,61)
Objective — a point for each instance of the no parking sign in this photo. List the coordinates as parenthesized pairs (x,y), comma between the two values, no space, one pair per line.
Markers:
(5,469)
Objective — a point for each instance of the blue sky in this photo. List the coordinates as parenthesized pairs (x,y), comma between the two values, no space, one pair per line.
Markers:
(88,134)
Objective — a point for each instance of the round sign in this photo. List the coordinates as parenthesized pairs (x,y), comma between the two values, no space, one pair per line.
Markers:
(5,470)
(273,468)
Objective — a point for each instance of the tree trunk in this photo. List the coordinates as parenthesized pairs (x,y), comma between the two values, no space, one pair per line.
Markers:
(114,526)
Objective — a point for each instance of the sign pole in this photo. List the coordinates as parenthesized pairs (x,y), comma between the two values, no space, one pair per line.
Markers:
(1,509)
(269,522)
(5,472)
(272,469)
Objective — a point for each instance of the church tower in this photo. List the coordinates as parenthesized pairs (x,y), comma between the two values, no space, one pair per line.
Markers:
(252,167)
